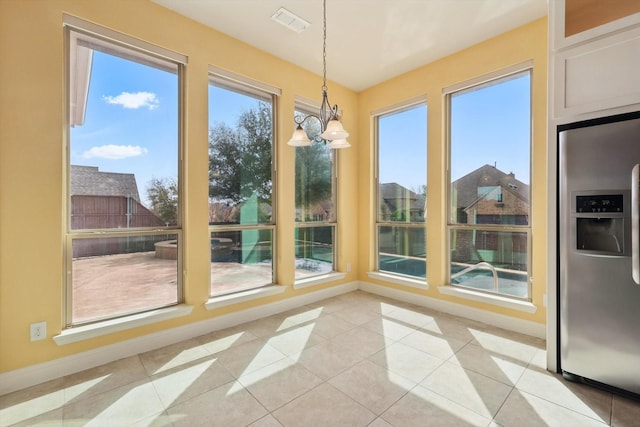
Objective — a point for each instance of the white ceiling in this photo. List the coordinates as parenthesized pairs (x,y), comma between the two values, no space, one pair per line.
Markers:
(368,41)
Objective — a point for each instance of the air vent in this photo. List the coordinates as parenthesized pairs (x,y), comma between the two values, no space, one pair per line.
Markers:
(293,22)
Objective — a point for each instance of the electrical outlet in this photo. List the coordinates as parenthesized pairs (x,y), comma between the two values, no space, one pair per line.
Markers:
(38,331)
(348,267)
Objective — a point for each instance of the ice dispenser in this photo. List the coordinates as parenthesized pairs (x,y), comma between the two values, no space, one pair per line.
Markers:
(600,223)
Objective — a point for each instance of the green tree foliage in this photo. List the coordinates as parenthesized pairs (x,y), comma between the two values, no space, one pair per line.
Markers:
(163,195)
(240,159)
(313,176)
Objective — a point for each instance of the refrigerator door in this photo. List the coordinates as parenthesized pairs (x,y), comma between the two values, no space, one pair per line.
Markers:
(599,299)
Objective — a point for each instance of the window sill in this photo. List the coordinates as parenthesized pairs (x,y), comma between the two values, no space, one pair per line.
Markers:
(318,280)
(506,302)
(94,330)
(238,297)
(399,280)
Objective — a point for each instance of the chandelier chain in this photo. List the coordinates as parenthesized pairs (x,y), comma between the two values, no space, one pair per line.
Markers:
(324,48)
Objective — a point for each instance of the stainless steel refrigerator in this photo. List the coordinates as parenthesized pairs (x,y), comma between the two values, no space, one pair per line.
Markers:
(599,253)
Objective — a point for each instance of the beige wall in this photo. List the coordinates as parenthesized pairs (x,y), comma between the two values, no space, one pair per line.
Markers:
(32,158)
(528,42)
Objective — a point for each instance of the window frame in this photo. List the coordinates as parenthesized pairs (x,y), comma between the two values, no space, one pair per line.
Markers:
(230,81)
(378,224)
(308,107)
(133,49)
(478,83)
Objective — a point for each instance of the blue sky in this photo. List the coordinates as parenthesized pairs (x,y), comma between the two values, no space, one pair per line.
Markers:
(131,121)
(131,126)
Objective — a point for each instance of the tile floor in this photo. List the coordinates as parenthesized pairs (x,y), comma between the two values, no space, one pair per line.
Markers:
(353,360)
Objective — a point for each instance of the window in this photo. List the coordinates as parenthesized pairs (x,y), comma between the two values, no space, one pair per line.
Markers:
(241,176)
(315,184)
(402,191)
(489,197)
(123,174)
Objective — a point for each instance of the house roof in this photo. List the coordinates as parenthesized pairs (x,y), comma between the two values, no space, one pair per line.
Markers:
(394,194)
(89,181)
(487,176)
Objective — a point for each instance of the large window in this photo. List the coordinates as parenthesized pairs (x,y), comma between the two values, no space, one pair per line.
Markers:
(241,199)
(315,187)
(402,191)
(123,174)
(489,197)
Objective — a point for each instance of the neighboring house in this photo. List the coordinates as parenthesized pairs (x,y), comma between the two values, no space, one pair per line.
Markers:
(395,200)
(489,196)
(101,200)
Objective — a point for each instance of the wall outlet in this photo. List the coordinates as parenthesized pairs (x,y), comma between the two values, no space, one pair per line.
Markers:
(348,267)
(38,331)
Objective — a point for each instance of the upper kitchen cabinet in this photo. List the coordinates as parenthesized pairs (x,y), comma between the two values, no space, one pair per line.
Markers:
(594,58)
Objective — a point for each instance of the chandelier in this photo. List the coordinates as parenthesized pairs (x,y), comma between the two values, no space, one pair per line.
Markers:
(329,116)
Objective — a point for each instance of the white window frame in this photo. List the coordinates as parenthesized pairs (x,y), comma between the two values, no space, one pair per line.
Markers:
(501,299)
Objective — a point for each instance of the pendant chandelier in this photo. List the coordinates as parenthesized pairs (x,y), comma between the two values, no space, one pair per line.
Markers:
(330,126)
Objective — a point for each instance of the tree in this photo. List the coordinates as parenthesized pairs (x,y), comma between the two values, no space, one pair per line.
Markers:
(163,195)
(240,159)
(313,176)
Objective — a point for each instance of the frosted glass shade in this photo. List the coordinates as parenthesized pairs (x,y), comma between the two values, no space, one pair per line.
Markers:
(299,138)
(334,131)
(339,143)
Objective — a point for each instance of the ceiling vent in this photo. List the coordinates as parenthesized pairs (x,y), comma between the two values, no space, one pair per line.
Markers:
(293,22)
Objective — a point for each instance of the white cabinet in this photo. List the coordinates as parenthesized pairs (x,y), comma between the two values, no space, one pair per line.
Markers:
(595,72)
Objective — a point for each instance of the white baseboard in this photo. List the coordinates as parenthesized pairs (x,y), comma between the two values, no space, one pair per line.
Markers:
(42,372)
(526,327)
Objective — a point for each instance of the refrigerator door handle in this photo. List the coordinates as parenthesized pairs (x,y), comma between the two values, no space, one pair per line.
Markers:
(635,223)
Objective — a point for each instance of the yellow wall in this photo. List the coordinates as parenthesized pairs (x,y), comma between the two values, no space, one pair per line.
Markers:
(32,157)
(528,42)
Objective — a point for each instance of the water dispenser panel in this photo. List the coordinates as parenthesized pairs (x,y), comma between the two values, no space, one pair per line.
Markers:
(599,203)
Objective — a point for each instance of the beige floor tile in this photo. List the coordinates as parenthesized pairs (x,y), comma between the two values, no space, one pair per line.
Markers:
(182,384)
(371,385)
(361,341)
(357,315)
(436,345)
(406,361)
(626,412)
(524,409)
(508,344)
(100,379)
(279,383)
(50,419)
(324,406)
(390,328)
(296,339)
(328,326)
(452,328)
(496,366)
(158,420)
(172,356)
(379,422)
(474,391)
(268,421)
(220,407)
(30,403)
(219,341)
(249,357)
(421,407)
(327,359)
(122,406)
(411,316)
(267,327)
(301,315)
(581,398)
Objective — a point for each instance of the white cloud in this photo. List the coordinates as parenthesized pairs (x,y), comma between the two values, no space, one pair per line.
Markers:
(115,152)
(134,100)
